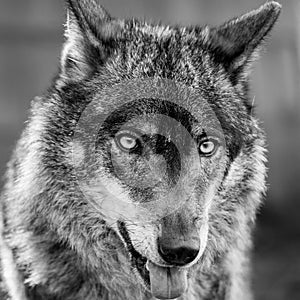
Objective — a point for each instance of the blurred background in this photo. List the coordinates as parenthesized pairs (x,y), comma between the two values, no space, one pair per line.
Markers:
(31,36)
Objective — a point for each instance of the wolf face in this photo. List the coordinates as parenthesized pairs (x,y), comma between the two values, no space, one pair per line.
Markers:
(143,156)
(159,166)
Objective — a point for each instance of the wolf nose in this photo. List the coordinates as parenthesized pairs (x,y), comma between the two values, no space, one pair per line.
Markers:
(178,256)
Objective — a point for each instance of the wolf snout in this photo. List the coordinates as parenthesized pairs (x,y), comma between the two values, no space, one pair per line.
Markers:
(178,253)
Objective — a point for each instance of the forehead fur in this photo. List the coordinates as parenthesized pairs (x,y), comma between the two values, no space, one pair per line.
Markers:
(163,51)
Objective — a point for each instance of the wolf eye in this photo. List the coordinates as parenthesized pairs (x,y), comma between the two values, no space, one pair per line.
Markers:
(127,142)
(208,147)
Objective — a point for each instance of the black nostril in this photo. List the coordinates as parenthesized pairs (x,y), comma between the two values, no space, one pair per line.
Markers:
(179,256)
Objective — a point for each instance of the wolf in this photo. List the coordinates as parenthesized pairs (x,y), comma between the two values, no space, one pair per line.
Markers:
(141,169)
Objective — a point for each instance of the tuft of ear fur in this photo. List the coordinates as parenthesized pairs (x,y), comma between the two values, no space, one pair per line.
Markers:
(89,34)
(236,43)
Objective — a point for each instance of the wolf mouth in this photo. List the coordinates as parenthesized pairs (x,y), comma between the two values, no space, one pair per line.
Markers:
(137,260)
(166,282)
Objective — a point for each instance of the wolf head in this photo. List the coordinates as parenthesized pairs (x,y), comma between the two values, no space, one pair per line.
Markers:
(148,137)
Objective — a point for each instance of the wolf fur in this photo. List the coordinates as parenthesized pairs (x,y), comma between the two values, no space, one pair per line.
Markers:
(58,243)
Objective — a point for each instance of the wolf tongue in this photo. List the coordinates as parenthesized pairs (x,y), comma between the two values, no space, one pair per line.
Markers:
(167,283)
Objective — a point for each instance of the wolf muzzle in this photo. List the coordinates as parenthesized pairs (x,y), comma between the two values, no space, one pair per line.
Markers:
(179,240)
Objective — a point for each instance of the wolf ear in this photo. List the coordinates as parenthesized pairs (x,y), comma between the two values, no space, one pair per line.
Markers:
(236,43)
(90,32)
